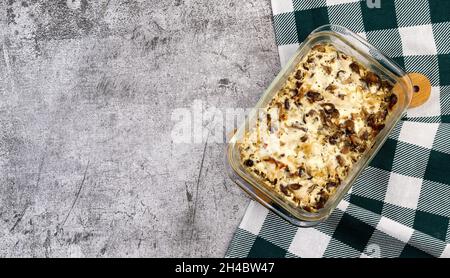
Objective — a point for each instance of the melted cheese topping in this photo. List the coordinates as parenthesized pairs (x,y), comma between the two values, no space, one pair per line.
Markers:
(316,127)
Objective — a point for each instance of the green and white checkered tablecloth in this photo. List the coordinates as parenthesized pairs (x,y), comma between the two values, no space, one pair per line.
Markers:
(400,206)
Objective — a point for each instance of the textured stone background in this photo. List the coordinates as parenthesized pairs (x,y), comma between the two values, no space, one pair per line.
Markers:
(87,166)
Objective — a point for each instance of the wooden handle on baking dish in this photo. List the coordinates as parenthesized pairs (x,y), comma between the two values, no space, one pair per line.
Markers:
(422,89)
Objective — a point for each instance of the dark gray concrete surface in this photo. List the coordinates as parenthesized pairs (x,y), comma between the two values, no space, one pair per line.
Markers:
(87,164)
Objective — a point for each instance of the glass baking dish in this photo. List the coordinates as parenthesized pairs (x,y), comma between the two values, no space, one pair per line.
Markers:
(352,45)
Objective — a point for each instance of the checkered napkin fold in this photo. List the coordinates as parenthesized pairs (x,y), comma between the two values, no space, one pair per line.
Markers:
(400,205)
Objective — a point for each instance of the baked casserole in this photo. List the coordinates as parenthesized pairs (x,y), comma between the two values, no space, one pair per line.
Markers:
(316,127)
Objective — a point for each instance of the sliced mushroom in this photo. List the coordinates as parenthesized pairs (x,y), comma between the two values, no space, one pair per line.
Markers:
(330,110)
(349,126)
(375,121)
(355,67)
(355,140)
(287,105)
(364,135)
(323,198)
(372,79)
(273,182)
(340,74)
(248,163)
(284,189)
(345,150)
(387,85)
(371,120)
(314,96)
(361,148)
(334,138)
(343,56)
(269,122)
(311,113)
(392,101)
(281,111)
(379,127)
(331,87)
(294,186)
(307,208)
(323,117)
(381,115)
(327,69)
(277,163)
(330,185)
(298,126)
(340,160)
